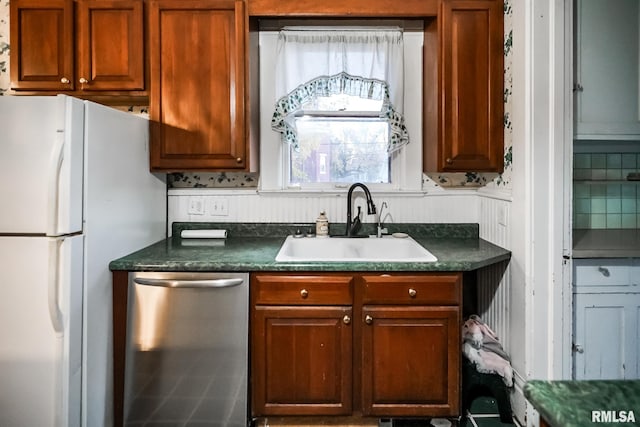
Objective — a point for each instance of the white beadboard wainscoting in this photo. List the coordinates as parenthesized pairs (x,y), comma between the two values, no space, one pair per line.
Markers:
(494,281)
(453,206)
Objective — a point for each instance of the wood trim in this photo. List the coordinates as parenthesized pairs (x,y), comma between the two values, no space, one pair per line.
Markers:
(430,101)
(120,296)
(341,8)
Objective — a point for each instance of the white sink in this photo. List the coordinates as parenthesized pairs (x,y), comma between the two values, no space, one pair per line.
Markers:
(343,249)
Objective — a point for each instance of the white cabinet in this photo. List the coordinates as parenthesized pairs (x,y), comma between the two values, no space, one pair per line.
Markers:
(606,319)
(607,41)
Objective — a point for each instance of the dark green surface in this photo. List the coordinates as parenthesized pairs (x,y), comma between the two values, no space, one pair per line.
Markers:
(457,248)
(570,403)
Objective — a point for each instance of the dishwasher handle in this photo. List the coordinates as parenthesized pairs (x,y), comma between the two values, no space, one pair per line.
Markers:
(174,283)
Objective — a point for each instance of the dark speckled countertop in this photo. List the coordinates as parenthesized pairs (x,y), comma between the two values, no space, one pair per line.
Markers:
(253,247)
(572,403)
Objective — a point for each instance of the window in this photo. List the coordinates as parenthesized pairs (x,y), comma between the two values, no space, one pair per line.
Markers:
(337,137)
(341,139)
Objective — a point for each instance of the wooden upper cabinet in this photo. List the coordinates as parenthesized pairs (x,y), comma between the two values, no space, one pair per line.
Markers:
(197,50)
(41,44)
(110,47)
(77,47)
(471,82)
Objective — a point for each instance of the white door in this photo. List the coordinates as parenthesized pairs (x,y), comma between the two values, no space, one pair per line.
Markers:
(42,155)
(40,331)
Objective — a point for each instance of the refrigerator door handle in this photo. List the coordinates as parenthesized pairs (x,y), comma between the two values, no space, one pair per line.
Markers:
(53,179)
(171,283)
(52,295)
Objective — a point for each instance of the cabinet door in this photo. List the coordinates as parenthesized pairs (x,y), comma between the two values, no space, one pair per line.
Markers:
(301,360)
(471,130)
(197,85)
(41,44)
(607,327)
(110,45)
(607,69)
(410,360)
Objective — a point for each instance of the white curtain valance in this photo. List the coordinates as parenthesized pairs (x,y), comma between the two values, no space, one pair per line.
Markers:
(312,63)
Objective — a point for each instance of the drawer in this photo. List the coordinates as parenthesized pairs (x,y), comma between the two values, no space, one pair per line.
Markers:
(302,290)
(605,273)
(412,289)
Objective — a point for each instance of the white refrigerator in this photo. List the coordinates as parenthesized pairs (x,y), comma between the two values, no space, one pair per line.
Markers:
(75,193)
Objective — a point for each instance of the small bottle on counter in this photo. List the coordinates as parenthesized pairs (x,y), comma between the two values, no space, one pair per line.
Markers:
(322,225)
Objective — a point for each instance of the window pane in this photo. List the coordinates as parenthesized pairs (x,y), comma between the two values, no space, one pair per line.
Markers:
(338,150)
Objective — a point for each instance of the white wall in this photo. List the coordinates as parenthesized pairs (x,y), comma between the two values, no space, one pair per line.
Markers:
(454,206)
(540,307)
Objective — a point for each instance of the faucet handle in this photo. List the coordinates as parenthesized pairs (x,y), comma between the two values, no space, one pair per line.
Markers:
(356,224)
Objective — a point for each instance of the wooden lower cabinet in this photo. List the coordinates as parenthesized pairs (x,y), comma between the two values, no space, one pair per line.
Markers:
(303,360)
(338,344)
(410,363)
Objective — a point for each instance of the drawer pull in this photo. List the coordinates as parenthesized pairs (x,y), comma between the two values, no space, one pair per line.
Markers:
(304,293)
(605,271)
(368,319)
(412,292)
(346,319)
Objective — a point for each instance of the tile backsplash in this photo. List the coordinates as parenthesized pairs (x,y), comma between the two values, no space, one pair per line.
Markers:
(602,195)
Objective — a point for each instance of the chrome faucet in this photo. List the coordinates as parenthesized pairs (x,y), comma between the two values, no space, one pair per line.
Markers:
(380,229)
(354,225)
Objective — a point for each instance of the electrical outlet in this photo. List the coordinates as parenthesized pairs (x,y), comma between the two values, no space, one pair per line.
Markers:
(196,205)
(219,206)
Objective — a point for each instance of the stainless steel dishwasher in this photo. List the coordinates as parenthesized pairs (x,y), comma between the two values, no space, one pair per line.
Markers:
(187,349)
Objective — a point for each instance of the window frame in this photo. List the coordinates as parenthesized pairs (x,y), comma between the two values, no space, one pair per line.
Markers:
(406,162)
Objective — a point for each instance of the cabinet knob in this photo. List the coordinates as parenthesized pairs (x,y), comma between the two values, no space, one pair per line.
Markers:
(604,271)
(449,160)
(412,292)
(346,319)
(304,293)
(368,319)
(239,160)
(83,80)
(64,80)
